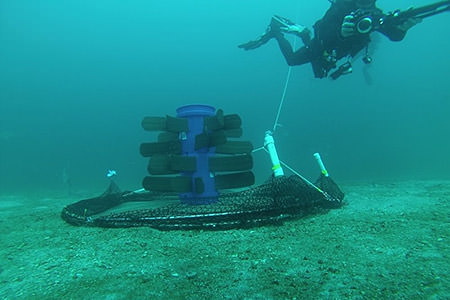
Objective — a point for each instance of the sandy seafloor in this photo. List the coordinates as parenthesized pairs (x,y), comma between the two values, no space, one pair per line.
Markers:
(390,241)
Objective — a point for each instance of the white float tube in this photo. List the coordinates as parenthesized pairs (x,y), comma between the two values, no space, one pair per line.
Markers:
(269,144)
(321,165)
(111,173)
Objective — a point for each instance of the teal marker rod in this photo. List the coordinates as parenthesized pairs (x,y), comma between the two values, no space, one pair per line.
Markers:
(321,165)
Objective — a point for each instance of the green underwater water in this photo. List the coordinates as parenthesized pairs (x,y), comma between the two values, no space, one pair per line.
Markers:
(77,78)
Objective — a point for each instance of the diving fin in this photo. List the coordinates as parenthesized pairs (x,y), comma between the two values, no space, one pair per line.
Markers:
(276,23)
(279,25)
(261,40)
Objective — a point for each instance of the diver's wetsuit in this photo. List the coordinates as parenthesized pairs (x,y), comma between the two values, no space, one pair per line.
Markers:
(328,45)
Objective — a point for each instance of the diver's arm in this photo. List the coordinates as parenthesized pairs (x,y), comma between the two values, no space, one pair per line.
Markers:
(329,24)
(397,33)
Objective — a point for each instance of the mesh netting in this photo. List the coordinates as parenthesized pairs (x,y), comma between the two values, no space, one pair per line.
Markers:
(277,199)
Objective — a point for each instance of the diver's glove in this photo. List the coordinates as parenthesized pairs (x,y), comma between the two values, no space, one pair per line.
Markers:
(295,29)
(410,22)
(287,26)
(348,26)
(344,69)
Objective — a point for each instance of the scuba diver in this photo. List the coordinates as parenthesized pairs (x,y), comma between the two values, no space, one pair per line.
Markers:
(343,32)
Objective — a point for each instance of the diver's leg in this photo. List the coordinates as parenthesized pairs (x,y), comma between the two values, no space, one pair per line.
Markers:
(279,25)
(299,57)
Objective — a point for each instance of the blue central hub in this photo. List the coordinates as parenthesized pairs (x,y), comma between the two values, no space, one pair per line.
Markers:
(195,115)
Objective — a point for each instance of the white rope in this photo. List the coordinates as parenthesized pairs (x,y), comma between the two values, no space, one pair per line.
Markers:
(299,175)
(258,149)
(276,124)
(303,178)
(283,96)
(280,106)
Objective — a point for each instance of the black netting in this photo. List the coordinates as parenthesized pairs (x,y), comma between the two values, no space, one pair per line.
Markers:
(277,199)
